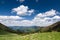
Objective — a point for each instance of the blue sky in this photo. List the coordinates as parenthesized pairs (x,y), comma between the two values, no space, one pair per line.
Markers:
(29,12)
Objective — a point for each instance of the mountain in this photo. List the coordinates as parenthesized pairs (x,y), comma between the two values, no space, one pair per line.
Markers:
(53,27)
(25,29)
(56,27)
(32,29)
(18,29)
(4,29)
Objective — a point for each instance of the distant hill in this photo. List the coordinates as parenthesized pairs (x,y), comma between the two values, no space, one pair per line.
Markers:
(53,27)
(25,29)
(16,29)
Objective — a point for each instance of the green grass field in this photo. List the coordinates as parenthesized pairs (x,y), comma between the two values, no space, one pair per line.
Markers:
(34,36)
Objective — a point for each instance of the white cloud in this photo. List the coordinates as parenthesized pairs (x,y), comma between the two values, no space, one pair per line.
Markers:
(26,23)
(17,23)
(47,18)
(7,20)
(56,17)
(50,13)
(10,20)
(10,17)
(22,10)
(41,19)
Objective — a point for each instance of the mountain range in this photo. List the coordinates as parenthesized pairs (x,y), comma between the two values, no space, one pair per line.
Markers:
(21,29)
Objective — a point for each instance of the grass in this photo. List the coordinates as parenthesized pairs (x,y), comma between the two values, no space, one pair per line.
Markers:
(34,36)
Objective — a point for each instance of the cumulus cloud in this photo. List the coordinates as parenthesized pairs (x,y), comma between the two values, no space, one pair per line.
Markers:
(26,23)
(17,23)
(48,13)
(8,20)
(10,17)
(23,10)
(47,18)
(41,19)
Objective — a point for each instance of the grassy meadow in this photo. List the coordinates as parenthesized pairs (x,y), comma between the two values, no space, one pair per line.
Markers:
(34,36)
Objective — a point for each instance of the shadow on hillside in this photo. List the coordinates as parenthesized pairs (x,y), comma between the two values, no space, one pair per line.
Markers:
(4,33)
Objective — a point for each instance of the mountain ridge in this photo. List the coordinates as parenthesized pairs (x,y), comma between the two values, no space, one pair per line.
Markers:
(53,27)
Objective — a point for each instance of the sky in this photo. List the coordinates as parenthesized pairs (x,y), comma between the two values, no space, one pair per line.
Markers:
(29,12)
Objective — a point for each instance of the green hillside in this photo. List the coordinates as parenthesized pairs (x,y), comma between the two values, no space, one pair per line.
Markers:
(4,30)
(35,36)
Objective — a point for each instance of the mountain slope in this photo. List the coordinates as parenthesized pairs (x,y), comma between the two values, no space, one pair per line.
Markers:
(57,27)
(5,30)
(53,27)
(3,27)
